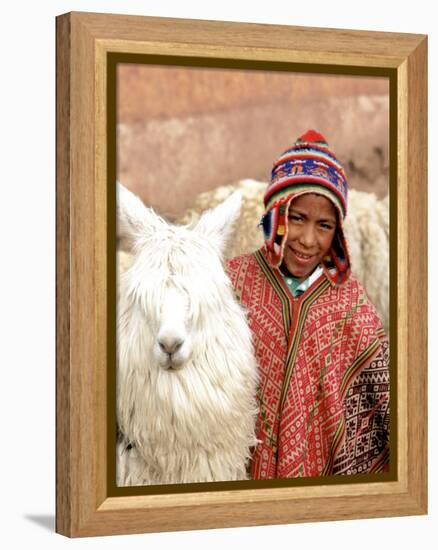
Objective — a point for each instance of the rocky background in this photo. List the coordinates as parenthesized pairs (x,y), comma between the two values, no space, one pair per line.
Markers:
(183,131)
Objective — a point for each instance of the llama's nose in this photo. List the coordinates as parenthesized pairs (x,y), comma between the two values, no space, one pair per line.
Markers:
(170,344)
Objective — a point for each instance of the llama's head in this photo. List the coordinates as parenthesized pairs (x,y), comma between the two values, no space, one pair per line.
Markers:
(175,281)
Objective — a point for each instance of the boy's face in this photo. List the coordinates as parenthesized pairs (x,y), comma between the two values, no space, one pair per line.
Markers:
(311,228)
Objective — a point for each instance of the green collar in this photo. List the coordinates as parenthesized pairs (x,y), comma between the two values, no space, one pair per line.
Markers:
(296,286)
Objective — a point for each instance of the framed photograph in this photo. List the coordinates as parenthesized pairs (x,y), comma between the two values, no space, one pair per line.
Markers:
(167,131)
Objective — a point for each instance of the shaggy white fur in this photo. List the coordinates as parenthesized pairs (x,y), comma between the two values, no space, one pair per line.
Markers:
(367,234)
(186,375)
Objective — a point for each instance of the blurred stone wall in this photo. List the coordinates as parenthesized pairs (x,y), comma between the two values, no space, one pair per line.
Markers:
(181,131)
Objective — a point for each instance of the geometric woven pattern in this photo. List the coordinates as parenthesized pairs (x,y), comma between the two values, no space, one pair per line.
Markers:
(324,374)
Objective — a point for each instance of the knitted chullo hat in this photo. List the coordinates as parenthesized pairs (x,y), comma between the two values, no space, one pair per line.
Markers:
(307,167)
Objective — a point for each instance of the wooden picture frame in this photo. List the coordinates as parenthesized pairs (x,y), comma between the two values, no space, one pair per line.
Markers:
(86,505)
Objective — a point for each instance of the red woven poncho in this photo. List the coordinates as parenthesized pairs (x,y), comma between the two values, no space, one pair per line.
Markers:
(324,375)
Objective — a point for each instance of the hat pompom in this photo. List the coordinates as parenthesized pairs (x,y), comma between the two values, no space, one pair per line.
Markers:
(311,136)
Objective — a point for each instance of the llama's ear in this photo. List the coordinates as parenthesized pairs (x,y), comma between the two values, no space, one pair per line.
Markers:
(134,219)
(217,224)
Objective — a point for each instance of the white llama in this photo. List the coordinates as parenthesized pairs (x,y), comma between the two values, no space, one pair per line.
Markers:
(186,374)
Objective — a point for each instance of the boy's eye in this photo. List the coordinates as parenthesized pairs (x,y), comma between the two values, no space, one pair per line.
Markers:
(294,217)
(326,226)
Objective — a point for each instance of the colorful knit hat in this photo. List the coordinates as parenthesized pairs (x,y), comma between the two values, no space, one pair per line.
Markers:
(307,167)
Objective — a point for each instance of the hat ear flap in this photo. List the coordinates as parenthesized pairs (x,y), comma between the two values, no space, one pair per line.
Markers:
(266,223)
(337,265)
(269,223)
(274,224)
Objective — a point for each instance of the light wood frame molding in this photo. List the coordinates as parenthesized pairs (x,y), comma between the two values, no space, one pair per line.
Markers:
(84,505)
